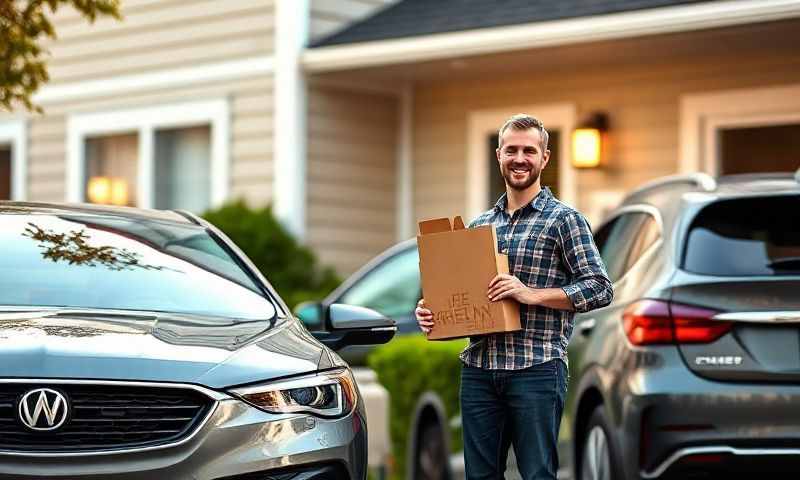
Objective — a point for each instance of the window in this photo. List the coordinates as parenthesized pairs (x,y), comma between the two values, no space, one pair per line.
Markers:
(13,158)
(167,157)
(645,238)
(183,168)
(615,241)
(112,164)
(392,288)
(743,237)
(5,173)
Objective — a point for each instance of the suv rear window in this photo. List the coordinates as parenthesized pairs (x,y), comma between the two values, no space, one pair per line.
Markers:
(747,236)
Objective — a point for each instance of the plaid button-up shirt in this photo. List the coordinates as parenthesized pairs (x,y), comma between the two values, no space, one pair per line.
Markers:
(549,245)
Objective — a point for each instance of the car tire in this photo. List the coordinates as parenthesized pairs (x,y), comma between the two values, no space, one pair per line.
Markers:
(598,454)
(431,458)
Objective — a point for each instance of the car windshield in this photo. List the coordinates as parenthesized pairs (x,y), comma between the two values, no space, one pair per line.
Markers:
(749,236)
(86,260)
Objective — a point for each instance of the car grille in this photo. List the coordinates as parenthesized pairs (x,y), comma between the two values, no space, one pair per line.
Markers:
(105,417)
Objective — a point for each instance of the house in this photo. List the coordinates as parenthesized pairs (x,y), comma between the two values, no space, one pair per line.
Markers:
(356,118)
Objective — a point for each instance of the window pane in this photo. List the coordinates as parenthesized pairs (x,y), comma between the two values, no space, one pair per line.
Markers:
(647,236)
(754,236)
(392,288)
(92,261)
(615,240)
(5,173)
(183,168)
(111,169)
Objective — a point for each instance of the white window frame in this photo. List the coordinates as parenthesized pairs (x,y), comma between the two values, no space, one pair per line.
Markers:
(15,133)
(145,122)
(702,116)
(482,123)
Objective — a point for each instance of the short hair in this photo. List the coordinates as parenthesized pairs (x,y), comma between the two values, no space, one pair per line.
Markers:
(522,122)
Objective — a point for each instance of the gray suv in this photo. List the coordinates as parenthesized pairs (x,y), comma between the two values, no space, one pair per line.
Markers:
(694,370)
(141,344)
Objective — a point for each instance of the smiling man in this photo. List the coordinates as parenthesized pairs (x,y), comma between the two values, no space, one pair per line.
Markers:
(513,385)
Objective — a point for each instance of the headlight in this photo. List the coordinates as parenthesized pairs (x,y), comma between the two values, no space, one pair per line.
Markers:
(326,394)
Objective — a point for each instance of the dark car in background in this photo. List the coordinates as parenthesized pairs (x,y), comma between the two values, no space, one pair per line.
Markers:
(142,344)
(694,368)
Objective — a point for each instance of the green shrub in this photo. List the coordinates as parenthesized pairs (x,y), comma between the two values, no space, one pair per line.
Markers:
(407,367)
(290,267)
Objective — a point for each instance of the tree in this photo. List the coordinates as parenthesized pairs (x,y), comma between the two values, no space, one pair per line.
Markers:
(24,24)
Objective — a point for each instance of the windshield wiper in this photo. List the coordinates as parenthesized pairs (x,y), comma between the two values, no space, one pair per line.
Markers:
(785,263)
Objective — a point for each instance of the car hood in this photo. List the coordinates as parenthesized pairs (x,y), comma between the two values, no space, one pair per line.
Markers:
(182,349)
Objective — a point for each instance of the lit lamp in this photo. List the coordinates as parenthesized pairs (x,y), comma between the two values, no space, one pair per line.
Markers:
(104,190)
(587,142)
(99,189)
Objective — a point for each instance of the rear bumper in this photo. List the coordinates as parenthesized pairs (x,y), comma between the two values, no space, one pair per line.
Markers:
(727,460)
(671,419)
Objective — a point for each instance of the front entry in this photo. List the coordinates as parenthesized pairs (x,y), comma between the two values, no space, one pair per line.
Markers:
(759,149)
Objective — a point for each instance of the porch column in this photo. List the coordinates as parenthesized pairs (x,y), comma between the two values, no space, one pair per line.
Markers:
(290,134)
(405,172)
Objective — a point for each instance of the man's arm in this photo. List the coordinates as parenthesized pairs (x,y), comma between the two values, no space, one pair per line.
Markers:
(508,286)
(591,287)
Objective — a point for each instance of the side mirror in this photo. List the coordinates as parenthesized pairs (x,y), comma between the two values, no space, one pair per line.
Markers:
(351,325)
(311,314)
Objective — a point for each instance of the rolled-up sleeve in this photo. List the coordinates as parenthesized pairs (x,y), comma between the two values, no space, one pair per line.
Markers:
(590,287)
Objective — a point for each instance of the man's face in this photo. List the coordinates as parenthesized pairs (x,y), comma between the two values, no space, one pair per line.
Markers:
(521,158)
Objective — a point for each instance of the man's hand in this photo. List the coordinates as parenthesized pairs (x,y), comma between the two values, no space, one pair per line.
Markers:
(424,317)
(508,286)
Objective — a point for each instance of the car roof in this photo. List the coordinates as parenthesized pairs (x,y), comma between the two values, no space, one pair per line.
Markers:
(725,186)
(86,208)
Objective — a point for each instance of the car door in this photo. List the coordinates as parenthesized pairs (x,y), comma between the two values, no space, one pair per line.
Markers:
(621,241)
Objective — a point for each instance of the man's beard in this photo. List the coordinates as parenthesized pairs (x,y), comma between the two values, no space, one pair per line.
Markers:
(508,175)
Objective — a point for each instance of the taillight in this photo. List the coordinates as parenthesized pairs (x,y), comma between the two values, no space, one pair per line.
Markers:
(654,322)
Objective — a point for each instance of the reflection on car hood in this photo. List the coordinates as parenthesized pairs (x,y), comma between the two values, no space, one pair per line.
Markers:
(181,349)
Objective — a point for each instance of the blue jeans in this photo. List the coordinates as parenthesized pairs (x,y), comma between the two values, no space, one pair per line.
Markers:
(518,407)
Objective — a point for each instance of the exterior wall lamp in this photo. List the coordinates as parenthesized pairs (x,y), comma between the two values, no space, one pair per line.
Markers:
(588,141)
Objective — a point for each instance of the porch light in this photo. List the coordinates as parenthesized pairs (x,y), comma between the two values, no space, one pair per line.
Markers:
(105,190)
(587,142)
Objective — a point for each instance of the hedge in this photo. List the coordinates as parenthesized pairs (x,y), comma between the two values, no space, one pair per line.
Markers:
(290,267)
(407,367)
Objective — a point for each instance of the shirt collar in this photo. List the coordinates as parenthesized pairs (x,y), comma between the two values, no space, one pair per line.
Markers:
(539,202)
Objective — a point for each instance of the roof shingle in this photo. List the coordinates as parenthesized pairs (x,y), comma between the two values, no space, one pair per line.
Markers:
(410,18)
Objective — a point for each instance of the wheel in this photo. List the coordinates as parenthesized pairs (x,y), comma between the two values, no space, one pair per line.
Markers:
(597,451)
(432,459)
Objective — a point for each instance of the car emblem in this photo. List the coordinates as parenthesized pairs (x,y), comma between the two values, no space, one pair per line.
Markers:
(43,409)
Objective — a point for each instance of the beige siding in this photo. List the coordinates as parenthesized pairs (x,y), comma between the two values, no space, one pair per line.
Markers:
(351,175)
(642,102)
(160,34)
(328,16)
(251,135)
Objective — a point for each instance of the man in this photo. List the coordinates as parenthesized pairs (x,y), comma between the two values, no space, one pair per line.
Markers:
(513,385)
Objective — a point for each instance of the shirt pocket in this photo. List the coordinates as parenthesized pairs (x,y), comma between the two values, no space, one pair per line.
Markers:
(539,259)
